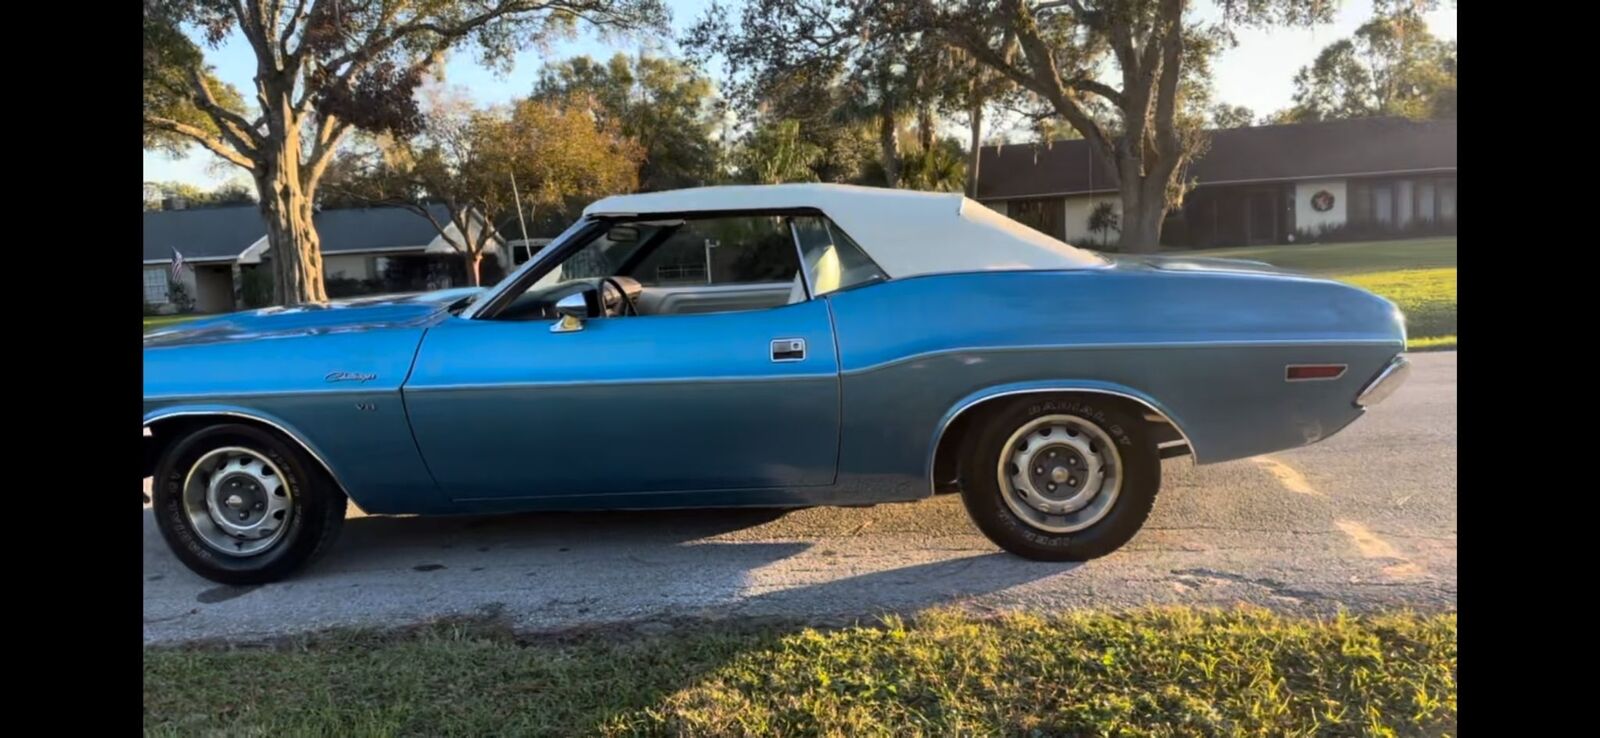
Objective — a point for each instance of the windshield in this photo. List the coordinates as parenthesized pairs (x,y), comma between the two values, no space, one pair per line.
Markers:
(605,255)
(554,242)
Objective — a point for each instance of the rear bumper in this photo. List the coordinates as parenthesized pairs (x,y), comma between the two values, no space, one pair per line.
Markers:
(1385,383)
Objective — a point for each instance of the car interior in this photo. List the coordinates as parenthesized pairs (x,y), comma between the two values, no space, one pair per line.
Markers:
(702,265)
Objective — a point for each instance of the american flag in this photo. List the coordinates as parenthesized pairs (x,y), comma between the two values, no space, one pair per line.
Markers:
(177,265)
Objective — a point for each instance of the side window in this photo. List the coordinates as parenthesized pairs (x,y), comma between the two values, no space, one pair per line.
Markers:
(721,251)
(832,260)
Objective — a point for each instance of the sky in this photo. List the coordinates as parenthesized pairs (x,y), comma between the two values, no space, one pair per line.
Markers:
(1258,73)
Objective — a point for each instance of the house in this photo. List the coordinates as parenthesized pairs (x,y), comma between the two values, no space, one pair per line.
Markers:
(364,250)
(1372,177)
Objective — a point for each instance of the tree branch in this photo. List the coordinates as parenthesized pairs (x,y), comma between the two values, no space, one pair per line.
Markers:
(1048,80)
(289,28)
(200,136)
(240,134)
(1111,94)
(1167,95)
(329,131)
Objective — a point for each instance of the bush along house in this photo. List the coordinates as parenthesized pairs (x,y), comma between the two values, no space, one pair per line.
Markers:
(226,259)
(1364,179)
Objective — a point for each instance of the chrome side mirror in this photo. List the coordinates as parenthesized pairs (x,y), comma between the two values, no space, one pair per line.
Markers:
(573,309)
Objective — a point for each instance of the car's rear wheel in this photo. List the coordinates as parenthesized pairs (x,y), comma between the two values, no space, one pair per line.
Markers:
(1060,478)
(240,504)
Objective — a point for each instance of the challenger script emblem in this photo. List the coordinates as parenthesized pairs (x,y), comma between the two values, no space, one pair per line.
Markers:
(350,377)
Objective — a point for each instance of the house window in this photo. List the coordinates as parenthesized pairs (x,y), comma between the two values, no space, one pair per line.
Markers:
(1447,198)
(1426,201)
(1047,216)
(1401,202)
(1383,203)
(155,286)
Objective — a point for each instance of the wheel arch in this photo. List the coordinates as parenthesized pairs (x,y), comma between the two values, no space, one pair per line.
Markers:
(163,426)
(944,450)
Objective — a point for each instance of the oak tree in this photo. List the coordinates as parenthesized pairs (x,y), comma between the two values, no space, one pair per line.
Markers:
(488,166)
(322,69)
(1134,118)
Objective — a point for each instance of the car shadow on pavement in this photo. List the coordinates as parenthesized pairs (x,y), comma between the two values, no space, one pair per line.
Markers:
(559,572)
(548,528)
(607,563)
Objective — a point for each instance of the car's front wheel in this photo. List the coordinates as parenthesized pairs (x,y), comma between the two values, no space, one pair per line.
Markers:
(242,505)
(1060,478)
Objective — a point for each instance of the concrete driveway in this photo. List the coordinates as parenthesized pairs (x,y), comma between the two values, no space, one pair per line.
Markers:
(1366,519)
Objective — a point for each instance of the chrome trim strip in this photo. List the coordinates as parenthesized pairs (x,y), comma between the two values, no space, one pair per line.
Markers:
(1387,381)
(933,452)
(615,382)
(800,255)
(158,416)
(1171,444)
(1342,369)
(1269,343)
(272,393)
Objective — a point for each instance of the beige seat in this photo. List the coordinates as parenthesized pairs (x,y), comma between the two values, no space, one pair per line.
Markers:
(825,275)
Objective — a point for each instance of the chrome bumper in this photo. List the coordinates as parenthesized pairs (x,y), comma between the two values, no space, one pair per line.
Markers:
(1387,381)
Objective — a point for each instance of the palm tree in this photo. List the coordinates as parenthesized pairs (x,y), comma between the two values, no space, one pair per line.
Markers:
(938,168)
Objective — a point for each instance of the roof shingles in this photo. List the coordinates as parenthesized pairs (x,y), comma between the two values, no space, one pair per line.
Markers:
(225,232)
(1263,153)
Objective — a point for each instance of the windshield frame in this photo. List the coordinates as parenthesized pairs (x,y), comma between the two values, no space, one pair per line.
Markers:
(489,302)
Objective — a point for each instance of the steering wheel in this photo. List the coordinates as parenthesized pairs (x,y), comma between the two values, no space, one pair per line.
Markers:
(628,308)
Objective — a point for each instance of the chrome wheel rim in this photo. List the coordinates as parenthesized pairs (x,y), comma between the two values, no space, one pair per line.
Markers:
(1060,473)
(238,501)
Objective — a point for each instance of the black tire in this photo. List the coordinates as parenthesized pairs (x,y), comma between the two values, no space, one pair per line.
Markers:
(981,491)
(317,505)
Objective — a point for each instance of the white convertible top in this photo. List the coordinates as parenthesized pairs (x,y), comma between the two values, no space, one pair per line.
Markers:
(906,232)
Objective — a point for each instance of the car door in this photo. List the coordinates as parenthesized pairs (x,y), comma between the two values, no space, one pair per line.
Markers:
(651,404)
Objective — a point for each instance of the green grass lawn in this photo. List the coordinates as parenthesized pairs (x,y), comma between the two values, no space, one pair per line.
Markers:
(1156,672)
(152,322)
(1418,275)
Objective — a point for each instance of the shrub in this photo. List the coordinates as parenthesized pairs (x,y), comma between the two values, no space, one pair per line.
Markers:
(178,295)
(1345,232)
(349,287)
(255,287)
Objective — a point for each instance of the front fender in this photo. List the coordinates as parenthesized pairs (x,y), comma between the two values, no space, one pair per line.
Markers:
(234,411)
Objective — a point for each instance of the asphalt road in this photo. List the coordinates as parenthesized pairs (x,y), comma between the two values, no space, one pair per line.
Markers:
(1364,520)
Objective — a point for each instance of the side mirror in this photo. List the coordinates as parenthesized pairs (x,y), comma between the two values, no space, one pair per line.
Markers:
(573,309)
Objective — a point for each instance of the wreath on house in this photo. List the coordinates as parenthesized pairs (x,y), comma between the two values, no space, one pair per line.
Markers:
(1322,202)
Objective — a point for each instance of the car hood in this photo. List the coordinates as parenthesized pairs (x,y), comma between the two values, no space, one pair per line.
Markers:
(342,316)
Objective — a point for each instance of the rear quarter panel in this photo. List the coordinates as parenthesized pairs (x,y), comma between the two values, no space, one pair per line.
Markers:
(1209,349)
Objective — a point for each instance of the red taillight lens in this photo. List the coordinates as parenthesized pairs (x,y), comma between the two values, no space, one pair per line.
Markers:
(1302,372)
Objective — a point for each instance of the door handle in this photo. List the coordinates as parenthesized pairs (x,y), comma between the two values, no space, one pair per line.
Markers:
(788,349)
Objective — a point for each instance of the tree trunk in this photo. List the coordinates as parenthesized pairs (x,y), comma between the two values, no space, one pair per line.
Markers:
(975,119)
(925,128)
(294,247)
(474,269)
(1141,220)
(287,208)
(889,142)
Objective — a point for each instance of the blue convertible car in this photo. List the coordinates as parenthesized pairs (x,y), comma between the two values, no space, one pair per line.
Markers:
(784,346)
